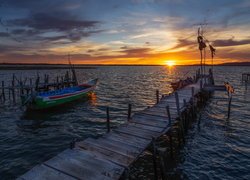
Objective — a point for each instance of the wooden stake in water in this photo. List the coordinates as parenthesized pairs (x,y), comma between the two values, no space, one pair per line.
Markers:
(157,96)
(108,120)
(229,107)
(129,111)
(3,91)
(154,159)
(169,116)
(177,103)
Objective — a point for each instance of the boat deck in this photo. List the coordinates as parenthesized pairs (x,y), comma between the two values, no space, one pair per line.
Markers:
(109,156)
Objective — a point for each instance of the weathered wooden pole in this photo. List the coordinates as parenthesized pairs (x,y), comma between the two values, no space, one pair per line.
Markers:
(129,111)
(154,160)
(169,116)
(13,91)
(3,91)
(157,96)
(162,164)
(185,102)
(170,133)
(108,120)
(72,144)
(201,84)
(177,103)
(192,91)
(229,107)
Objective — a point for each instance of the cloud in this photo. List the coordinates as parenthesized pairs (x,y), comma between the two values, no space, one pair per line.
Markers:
(230,42)
(4,34)
(136,51)
(183,43)
(43,21)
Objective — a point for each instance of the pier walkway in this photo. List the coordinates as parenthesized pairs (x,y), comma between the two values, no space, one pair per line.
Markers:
(109,156)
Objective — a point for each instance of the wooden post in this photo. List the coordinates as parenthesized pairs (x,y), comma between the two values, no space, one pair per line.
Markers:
(229,107)
(170,133)
(154,159)
(13,91)
(162,165)
(157,96)
(129,111)
(108,120)
(177,103)
(169,116)
(192,89)
(184,102)
(171,144)
(3,91)
(72,144)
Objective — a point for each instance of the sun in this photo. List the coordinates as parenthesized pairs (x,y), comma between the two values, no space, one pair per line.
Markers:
(170,63)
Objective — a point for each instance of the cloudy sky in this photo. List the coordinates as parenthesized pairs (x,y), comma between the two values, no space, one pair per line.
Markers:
(122,31)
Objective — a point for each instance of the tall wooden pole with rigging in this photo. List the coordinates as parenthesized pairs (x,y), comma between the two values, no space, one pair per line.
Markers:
(202,46)
(72,68)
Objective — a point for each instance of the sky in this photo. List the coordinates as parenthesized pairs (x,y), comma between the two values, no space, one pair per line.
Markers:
(122,31)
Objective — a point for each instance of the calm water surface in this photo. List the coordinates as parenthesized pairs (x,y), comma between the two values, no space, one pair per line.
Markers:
(217,149)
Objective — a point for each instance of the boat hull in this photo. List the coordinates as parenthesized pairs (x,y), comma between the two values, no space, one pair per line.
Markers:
(42,103)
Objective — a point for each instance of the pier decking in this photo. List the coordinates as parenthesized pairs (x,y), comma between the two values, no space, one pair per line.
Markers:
(109,156)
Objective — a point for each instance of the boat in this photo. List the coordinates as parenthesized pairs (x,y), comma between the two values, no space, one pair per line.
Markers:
(53,98)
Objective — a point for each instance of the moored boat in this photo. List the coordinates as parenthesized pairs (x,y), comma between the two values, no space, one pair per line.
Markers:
(53,98)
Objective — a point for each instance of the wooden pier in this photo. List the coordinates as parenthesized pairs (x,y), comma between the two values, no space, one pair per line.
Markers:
(111,155)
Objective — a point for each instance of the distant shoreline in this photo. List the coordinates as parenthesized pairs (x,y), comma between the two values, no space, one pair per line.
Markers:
(24,66)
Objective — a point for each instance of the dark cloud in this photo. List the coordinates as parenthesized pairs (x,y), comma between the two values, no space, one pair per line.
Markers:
(181,43)
(4,34)
(136,51)
(230,42)
(124,47)
(42,21)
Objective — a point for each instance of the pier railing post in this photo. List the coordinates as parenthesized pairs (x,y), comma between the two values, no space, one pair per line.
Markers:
(157,96)
(192,91)
(13,91)
(169,116)
(108,120)
(154,159)
(3,91)
(170,134)
(229,107)
(129,111)
(184,102)
(177,103)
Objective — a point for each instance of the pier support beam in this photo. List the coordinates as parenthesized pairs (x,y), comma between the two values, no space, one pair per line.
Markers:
(129,111)
(108,120)
(157,96)
(177,103)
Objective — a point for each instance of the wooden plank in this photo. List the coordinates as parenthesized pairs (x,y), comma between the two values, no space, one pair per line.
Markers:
(139,130)
(102,166)
(130,149)
(146,127)
(74,167)
(106,154)
(161,112)
(124,149)
(42,172)
(145,120)
(137,134)
(136,141)
(154,113)
(153,117)
(114,140)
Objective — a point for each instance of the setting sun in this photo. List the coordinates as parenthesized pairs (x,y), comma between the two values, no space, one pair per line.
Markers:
(170,63)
